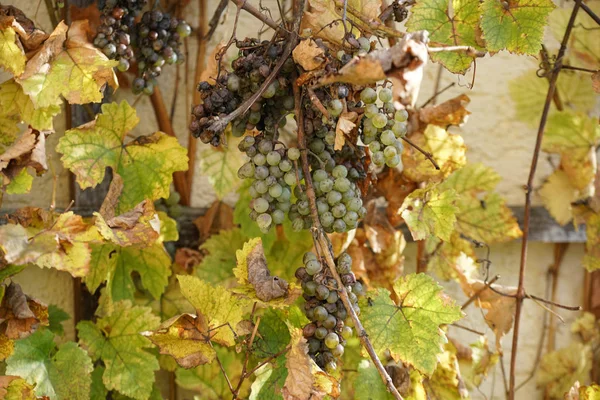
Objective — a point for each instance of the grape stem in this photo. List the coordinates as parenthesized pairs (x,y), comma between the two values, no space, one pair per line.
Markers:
(322,243)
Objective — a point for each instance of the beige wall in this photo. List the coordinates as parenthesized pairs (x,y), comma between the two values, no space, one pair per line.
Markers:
(491,134)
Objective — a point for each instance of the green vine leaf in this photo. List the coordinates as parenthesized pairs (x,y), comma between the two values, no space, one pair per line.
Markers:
(217,266)
(116,340)
(274,334)
(515,25)
(269,381)
(115,265)
(368,383)
(430,211)
(458,29)
(62,373)
(217,306)
(558,370)
(68,65)
(220,165)
(56,316)
(145,164)
(98,391)
(14,102)
(20,183)
(410,329)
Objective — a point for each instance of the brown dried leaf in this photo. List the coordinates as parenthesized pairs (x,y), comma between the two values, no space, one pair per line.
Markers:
(187,258)
(27,151)
(345,125)
(138,226)
(392,185)
(299,382)
(20,315)
(31,37)
(267,287)
(451,112)
(212,66)
(218,217)
(185,337)
(90,13)
(107,210)
(308,54)
(24,391)
(596,81)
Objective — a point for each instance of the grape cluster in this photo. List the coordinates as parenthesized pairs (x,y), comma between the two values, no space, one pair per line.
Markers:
(116,28)
(158,40)
(250,70)
(330,324)
(383,128)
(272,174)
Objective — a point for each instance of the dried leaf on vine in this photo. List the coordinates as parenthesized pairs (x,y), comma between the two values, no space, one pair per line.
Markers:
(596,81)
(140,225)
(308,54)
(578,392)
(345,125)
(31,37)
(450,112)
(447,381)
(14,387)
(559,369)
(394,186)
(299,382)
(28,150)
(21,315)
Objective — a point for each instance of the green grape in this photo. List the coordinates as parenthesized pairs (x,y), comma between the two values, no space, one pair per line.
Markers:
(352,297)
(332,339)
(313,267)
(308,256)
(338,351)
(285,165)
(378,158)
(342,185)
(254,117)
(387,137)
(393,162)
(327,219)
(389,152)
(339,210)
(354,204)
(375,146)
(369,130)
(341,313)
(259,159)
(264,222)
(313,344)
(233,82)
(364,43)
(361,212)
(344,263)
(389,108)
(326,185)
(320,333)
(351,218)
(368,95)
(358,289)
(331,367)
(183,29)
(265,146)
(322,292)
(333,297)
(399,129)
(330,138)
(246,171)
(385,95)
(330,322)
(275,171)
(173,198)
(273,158)
(379,121)
(261,187)
(260,205)
(334,197)
(335,107)
(371,110)
(261,172)
(339,171)
(175,211)
(310,288)
(319,175)
(347,332)
(278,217)
(320,313)
(297,224)
(270,91)
(401,115)
(290,178)
(276,190)
(339,226)
(293,153)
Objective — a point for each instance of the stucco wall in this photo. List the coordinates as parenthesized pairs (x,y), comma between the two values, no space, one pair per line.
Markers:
(491,134)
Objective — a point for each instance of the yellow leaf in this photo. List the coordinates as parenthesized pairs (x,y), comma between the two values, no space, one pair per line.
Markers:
(591,260)
(557,194)
(308,54)
(345,125)
(559,369)
(138,226)
(447,149)
(68,65)
(14,102)
(12,56)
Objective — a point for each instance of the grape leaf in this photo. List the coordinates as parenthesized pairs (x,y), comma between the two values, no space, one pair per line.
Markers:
(410,330)
(141,225)
(58,374)
(15,102)
(515,25)
(456,29)
(145,164)
(447,149)
(56,316)
(477,362)
(15,388)
(217,266)
(208,380)
(256,282)
(28,150)
(273,334)
(444,255)
(98,391)
(485,218)
(368,383)
(585,325)
(578,392)
(559,369)
(430,211)
(573,136)
(446,382)
(591,259)
(186,339)
(20,183)
(557,194)
(61,241)
(217,305)
(269,381)
(220,165)
(12,55)
(68,65)
(116,340)
(115,265)
(299,382)
(168,228)
(528,93)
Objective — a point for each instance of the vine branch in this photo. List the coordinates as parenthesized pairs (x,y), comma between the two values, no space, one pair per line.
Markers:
(521,294)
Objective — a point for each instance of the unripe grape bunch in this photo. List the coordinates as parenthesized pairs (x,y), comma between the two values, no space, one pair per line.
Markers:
(330,325)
